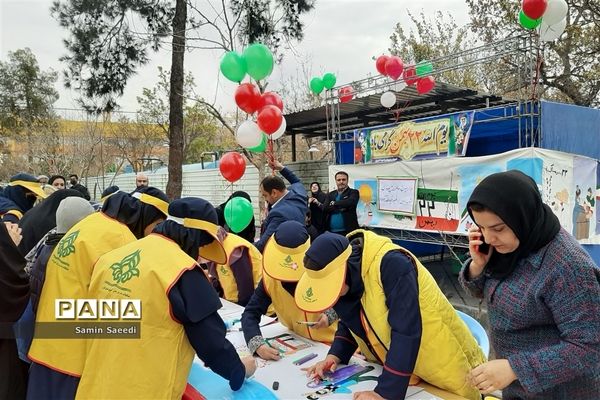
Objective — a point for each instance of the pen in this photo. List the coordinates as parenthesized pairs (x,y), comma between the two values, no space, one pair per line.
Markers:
(281,351)
(309,323)
(305,359)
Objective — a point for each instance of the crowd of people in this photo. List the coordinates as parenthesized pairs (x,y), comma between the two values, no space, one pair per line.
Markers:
(310,265)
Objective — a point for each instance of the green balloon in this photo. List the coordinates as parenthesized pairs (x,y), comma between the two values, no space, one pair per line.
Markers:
(424,68)
(529,23)
(329,80)
(233,66)
(238,214)
(316,85)
(261,147)
(259,60)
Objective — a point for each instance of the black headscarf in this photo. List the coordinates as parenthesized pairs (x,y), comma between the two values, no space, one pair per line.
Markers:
(189,240)
(319,195)
(14,283)
(132,212)
(249,232)
(514,197)
(41,219)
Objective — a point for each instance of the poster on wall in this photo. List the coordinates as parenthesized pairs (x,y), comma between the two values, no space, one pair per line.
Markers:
(568,184)
(439,137)
(397,195)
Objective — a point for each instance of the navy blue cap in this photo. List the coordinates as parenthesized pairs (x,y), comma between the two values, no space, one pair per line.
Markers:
(325,249)
(193,207)
(291,234)
(23,177)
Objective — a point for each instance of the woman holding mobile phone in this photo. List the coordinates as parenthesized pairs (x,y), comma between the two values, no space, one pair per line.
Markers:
(542,291)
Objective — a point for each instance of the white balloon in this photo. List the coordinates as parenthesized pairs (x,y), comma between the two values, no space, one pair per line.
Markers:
(280,131)
(555,12)
(388,99)
(248,134)
(549,33)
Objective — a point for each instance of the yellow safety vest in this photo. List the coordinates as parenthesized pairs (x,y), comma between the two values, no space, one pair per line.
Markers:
(224,273)
(448,350)
(288,313)
(157,365)
(68,276)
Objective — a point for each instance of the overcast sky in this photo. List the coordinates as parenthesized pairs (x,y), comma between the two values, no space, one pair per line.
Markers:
(341,36)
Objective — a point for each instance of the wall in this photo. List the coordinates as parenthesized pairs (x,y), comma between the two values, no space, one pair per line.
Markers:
(209,184)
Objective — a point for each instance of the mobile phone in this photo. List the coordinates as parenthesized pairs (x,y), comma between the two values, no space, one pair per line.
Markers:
(484,247)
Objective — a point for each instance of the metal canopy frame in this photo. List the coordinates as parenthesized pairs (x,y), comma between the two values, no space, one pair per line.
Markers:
(335,121)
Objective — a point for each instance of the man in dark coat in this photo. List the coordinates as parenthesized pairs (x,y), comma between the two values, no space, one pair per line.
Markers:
(340,207)
(74,180)
(286,204)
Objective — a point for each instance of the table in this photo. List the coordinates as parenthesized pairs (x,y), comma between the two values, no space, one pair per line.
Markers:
(291,379)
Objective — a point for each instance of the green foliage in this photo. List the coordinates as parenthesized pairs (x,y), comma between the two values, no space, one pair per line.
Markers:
(270,22)
(571,66)
(104,45)
(434,38)
(26,93)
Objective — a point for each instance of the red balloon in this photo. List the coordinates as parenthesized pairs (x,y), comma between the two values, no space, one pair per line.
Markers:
(380,64)
(232,166)
(425,84)
(410,75)
(346,94)
(534,9)
(247,97)
(271,99)
(269,119)
(394,67)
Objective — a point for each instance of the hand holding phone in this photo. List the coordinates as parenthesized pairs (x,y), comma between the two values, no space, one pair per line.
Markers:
(483,248)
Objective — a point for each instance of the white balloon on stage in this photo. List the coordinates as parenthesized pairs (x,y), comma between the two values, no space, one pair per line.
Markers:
(555,12)
(388,99)
(549,33)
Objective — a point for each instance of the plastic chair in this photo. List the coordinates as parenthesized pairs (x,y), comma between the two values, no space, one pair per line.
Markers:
(478,332)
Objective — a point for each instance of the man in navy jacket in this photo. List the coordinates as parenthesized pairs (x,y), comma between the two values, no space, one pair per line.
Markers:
(286,204)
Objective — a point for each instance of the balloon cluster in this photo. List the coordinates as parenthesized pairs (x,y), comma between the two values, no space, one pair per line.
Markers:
(393,67)
(549,15)
(256,61)
(317,84)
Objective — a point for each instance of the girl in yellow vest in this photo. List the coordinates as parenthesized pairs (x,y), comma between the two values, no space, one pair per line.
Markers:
(57,363)
(236,279)
(282,267)
(392,309)
(179,312)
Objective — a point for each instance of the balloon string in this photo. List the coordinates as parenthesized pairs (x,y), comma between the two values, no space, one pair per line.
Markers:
(538,67)
(270,155)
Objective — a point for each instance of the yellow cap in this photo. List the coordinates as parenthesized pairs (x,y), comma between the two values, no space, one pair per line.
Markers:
(319,290)
(162,205)
(284,263)
(213,251)
(32,186)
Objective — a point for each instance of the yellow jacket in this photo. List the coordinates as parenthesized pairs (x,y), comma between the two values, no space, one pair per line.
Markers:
(448,350)
(68,276)
(157,365)
(224,273)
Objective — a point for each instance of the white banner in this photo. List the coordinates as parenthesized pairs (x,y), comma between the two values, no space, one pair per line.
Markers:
(568,184)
